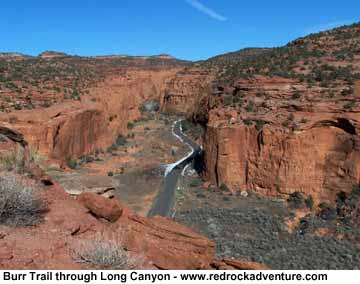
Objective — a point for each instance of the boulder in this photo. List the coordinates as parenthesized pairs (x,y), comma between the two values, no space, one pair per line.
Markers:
(100,206)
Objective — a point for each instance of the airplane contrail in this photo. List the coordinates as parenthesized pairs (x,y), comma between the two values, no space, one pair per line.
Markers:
(206,10)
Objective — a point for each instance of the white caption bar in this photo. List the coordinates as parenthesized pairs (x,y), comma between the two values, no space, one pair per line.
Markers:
(150,276)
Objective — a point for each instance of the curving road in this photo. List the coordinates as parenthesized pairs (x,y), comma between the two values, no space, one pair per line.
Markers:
(166,198)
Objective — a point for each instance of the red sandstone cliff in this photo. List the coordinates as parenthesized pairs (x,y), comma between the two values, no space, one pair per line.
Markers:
(73,128)
(185,90)
(279,120)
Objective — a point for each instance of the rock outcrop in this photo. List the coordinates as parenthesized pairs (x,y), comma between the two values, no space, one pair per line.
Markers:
(162,243)
(318,161)
(277,143)
(74,128)
(184,90)
(279,120)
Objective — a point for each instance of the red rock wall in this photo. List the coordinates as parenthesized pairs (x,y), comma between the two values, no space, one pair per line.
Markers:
(319,161)
(185,89)
(74,128)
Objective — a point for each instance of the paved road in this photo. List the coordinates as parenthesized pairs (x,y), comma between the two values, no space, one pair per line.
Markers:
(166,198)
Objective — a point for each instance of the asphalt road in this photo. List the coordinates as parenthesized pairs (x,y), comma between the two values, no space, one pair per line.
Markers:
(165,201)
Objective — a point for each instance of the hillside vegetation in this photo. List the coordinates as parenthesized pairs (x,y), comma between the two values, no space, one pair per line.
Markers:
(30,82)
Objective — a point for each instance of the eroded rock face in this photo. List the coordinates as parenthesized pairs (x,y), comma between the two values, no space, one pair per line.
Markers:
(75,128)
(186,89)
(319,160)
(275,135)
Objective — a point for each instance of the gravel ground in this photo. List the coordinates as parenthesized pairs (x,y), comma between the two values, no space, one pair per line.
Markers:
(259,234)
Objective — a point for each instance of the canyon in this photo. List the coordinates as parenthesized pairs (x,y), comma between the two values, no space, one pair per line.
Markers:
(281,132)
(275,123)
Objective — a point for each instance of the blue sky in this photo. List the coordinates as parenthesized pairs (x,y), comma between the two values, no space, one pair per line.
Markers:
(188,29)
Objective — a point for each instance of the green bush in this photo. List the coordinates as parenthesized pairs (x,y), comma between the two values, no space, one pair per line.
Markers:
(224,187)
(248,122)
(71,163)
(250,107)
(349,105)
(296,200)
(112,148)
(121,140)
(259,124)
(327,212)
(195,183)
(355,191)
(130,125)
(296,95)
(309,202)
(286,123)
(75,95)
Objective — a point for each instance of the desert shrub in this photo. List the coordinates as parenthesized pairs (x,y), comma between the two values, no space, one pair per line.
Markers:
(303,120)
(112,148)
(355,191)
(309,202)
(195,183)
(35,156)
(248,122)
(331,95)
(296,200)
(327,212)
(347,92)
(259,124)
(296,95)
(110,174)
(228,100)
(194,130)
(105,254)
(70,162)
(286,123)
(75,95)
(130,125)
(173,151)
(349,105)
(185,125)
(19,205)
(224,187)
(14,161)
(250,107)
(121,140)
(86,159)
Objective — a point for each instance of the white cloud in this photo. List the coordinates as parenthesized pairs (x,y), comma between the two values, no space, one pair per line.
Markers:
(206,10)
(327,26)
